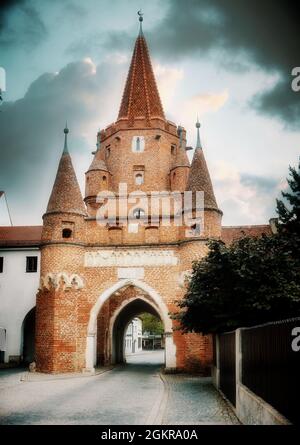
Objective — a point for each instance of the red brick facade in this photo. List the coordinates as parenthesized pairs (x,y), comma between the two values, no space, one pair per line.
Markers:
(97,277)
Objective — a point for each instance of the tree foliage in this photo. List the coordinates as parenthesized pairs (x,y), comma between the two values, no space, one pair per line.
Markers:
(289,213)
(151,324)
(253,280)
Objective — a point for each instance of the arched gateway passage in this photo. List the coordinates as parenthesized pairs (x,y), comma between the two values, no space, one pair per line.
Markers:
(110,316)
(120,322)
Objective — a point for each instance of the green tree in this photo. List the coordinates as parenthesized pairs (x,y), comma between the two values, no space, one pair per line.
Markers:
(151,324)
(253,280)
(289,213)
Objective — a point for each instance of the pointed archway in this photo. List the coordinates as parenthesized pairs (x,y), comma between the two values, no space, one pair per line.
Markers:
(146,297)
(28,334)
(129,309)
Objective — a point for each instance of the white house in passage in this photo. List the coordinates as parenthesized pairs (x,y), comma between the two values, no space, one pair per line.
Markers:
(19,282)
(133,336)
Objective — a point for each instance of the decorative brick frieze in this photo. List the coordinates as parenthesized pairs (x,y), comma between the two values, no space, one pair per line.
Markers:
(61,281)
(130,258)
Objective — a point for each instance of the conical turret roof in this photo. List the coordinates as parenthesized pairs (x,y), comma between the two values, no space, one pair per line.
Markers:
(98,164)
(66,195)
(199,179)
(141,96)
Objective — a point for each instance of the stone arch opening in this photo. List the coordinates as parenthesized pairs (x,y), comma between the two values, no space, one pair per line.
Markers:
(28,352)
(120,322)
(100,346)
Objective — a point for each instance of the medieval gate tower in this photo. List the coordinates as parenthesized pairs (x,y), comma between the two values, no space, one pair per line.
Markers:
(96,277)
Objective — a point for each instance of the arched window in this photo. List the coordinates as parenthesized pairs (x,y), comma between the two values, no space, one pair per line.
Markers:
(104,178)
(67,233)
(138,144)
(139,179)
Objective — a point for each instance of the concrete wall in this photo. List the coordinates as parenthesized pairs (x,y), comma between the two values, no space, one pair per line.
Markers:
(17,297)
(252,410)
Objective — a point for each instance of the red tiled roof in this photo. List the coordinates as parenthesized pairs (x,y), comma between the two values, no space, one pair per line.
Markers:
(232,233)
(20,236)
(66,195)
(141,96)
(199,179)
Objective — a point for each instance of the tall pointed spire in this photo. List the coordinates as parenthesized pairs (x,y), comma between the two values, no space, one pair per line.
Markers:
(66,196)
(199,177)
(141,97)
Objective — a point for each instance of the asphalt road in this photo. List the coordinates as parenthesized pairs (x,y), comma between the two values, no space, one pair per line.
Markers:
(133,394)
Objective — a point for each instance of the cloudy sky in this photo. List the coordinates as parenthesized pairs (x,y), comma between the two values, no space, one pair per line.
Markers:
(228,61)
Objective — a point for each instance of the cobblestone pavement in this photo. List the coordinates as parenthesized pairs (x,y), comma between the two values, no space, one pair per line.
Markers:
(193,400)
(133,394)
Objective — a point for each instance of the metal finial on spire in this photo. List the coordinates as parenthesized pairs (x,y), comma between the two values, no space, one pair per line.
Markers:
(198,125)
(140,14)
(66,131)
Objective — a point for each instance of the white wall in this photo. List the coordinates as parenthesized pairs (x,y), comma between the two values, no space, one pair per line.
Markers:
(17,296)
(133,333)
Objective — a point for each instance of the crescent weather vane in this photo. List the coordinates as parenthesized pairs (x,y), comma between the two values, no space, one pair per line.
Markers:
(140,14)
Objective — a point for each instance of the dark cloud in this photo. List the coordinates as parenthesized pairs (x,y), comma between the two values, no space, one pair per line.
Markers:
(262,32)
(266,31)
(280,101)
(26,29)
(5,7)
(32,128)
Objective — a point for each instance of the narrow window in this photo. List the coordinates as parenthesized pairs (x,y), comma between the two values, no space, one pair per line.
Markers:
(31,264)
(67,233)
(138,144)
(139,179)
(173,149)
(1,264)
